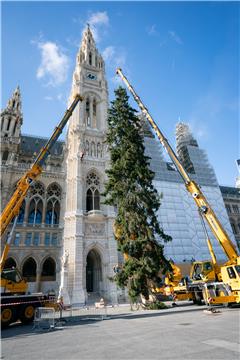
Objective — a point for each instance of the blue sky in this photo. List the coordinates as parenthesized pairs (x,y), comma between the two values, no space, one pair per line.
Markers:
(181,57)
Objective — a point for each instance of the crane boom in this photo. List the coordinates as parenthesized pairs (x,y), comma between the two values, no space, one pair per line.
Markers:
(191,186)
(12,208)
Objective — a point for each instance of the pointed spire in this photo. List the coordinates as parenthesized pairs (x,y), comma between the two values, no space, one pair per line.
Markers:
(88,53)
(15,103)
(184,135)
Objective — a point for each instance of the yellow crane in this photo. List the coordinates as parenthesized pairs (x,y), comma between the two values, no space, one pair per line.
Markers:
(206,270)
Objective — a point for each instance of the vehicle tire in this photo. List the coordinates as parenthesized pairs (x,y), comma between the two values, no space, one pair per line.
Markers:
(7,316)
(197,298)
(27,314)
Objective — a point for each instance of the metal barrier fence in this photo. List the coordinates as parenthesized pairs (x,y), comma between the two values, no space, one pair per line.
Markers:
(47,318)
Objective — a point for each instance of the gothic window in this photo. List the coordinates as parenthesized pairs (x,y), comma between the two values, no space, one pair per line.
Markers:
(54,241)
(94,113)
(10,263)
(29,269)
(233,228)
(28,240)
(20,218)
(47,239)
(17,239)
(235,209)
(36,239)
(48,270)
(87,147)
(53,210)
(14,129)
(93,149)
(54,190)
(96,61)
(36,189)
(5,155)
(90,58)
(99,152)
(8,124)
(228,207)
(88,112)
(53,204)
(93,194)
(35,211)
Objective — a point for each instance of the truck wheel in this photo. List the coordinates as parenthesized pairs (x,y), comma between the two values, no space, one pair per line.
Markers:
(27,314)
(7,316)
(197,298)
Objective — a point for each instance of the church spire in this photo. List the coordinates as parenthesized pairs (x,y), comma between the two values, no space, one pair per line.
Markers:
(88,53)
(11,116)
(15,103)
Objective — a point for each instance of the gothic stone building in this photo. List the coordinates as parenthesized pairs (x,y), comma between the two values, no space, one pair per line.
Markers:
(63,223)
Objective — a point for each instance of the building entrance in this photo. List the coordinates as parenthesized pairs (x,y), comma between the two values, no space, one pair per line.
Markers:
(93,272)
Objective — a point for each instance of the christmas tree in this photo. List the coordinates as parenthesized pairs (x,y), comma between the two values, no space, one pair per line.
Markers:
(130,189)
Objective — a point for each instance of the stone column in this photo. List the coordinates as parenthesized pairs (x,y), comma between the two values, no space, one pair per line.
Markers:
(38,279)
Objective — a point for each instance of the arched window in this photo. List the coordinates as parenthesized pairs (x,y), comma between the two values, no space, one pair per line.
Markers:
(35,211)
(10,263)
(53,210)
(20,218)
(54,190)
(94,113)
(14,129)
(88,122)
(234,228)
(99,152)
(93,149)
(8,124)
(29,269)
(90,58)
(36,189)
(48,270)
(87,147)
(53,204)
(93,194)
(5,155)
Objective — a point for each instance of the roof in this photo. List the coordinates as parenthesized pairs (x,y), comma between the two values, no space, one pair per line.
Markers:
(31,144)
(229,190)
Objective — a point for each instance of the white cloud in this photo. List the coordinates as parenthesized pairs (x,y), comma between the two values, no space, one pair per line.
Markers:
(54,63)
(175,37)
(108,53)
(99,18)
(98,21)
(48,98)
(152,30)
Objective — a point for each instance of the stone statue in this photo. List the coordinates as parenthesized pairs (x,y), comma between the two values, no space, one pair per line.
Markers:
(65,259)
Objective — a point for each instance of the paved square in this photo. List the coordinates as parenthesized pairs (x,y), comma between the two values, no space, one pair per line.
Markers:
(184,332)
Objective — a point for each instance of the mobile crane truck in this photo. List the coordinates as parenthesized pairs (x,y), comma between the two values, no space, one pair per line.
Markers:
(204,275)
(16,303)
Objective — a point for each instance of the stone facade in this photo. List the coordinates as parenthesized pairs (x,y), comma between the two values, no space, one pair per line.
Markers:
(64,224)
(231,198)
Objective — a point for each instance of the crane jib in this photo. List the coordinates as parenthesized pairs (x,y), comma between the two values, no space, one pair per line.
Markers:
(191,186)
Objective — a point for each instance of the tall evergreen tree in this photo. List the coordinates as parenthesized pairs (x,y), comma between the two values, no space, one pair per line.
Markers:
(130,189)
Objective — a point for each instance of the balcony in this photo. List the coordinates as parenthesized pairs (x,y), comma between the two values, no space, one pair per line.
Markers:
(95,214)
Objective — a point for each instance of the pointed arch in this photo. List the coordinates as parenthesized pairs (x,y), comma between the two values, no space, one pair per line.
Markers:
(93,271)
(29,269)
(35,211)
(93,193)
(48,272)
